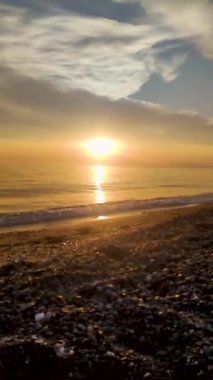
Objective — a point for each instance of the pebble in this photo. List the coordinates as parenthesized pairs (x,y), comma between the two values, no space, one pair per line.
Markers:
(162,353)
(60,351)
(147,375)
(48,316)
(128,316)
(81,327)
(108,306)
(39,317)
(110,354)
(142,339)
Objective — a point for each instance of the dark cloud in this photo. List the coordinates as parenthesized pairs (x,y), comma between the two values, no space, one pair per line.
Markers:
(36,108)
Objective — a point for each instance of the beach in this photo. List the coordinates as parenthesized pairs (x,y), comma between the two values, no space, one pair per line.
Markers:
(127,297)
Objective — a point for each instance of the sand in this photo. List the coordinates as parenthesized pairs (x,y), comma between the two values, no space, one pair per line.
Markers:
(122,298)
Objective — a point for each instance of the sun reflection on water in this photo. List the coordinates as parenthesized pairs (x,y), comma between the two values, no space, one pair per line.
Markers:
(99,178)
(102,217)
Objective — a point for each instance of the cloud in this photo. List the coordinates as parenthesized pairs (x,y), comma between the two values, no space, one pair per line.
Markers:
(72,48)
(66,75)
(71,51)
(192,20)
(35,109)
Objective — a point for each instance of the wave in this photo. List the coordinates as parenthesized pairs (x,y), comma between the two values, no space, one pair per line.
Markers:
(38,191)
(95,210)
(31,191)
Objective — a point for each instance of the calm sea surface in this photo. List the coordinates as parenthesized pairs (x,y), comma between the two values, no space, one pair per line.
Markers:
(37,188)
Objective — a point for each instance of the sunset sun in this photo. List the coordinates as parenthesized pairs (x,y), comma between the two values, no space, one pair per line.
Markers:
(101,148)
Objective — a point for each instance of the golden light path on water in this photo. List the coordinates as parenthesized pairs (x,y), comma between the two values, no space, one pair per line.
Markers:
(99,175)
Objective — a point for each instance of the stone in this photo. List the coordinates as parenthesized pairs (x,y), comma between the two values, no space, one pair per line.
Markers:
(110,354)
(39,317)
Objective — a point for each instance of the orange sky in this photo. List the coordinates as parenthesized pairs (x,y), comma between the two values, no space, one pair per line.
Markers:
(60,151)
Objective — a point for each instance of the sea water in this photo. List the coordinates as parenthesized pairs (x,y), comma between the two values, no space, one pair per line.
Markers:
(31,193)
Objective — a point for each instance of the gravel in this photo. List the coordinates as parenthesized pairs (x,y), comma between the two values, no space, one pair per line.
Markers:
(111,302)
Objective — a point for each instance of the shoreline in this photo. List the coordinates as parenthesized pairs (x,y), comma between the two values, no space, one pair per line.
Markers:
(13,220)
(73,222)
(125,298)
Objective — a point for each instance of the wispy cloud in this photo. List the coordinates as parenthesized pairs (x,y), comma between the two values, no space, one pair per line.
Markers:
(190,19)
(101,55)
(105,57)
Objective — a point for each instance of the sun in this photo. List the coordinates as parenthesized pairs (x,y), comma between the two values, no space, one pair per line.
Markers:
(101,148)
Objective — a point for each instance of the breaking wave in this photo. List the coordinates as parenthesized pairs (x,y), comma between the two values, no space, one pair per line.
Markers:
(95,210)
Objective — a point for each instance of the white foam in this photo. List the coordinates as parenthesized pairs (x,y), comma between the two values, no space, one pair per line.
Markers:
(24,218)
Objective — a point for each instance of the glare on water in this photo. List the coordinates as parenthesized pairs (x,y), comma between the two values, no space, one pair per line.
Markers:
(43,187)
(99,174)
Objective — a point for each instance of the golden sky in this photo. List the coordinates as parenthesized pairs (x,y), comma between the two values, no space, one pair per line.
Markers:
(71,73)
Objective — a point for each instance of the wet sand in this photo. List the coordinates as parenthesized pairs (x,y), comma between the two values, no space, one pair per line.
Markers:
(124,298)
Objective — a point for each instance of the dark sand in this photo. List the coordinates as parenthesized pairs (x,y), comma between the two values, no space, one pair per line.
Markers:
(126,298)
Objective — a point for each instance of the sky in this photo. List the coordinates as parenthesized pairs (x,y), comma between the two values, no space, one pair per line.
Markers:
(138,71)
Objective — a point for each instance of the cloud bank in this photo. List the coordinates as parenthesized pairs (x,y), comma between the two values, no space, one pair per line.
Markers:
(30,108)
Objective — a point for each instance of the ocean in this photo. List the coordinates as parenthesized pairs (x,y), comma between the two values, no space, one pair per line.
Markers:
(36,190)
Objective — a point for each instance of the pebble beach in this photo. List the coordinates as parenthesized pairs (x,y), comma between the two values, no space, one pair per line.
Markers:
(126,298)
